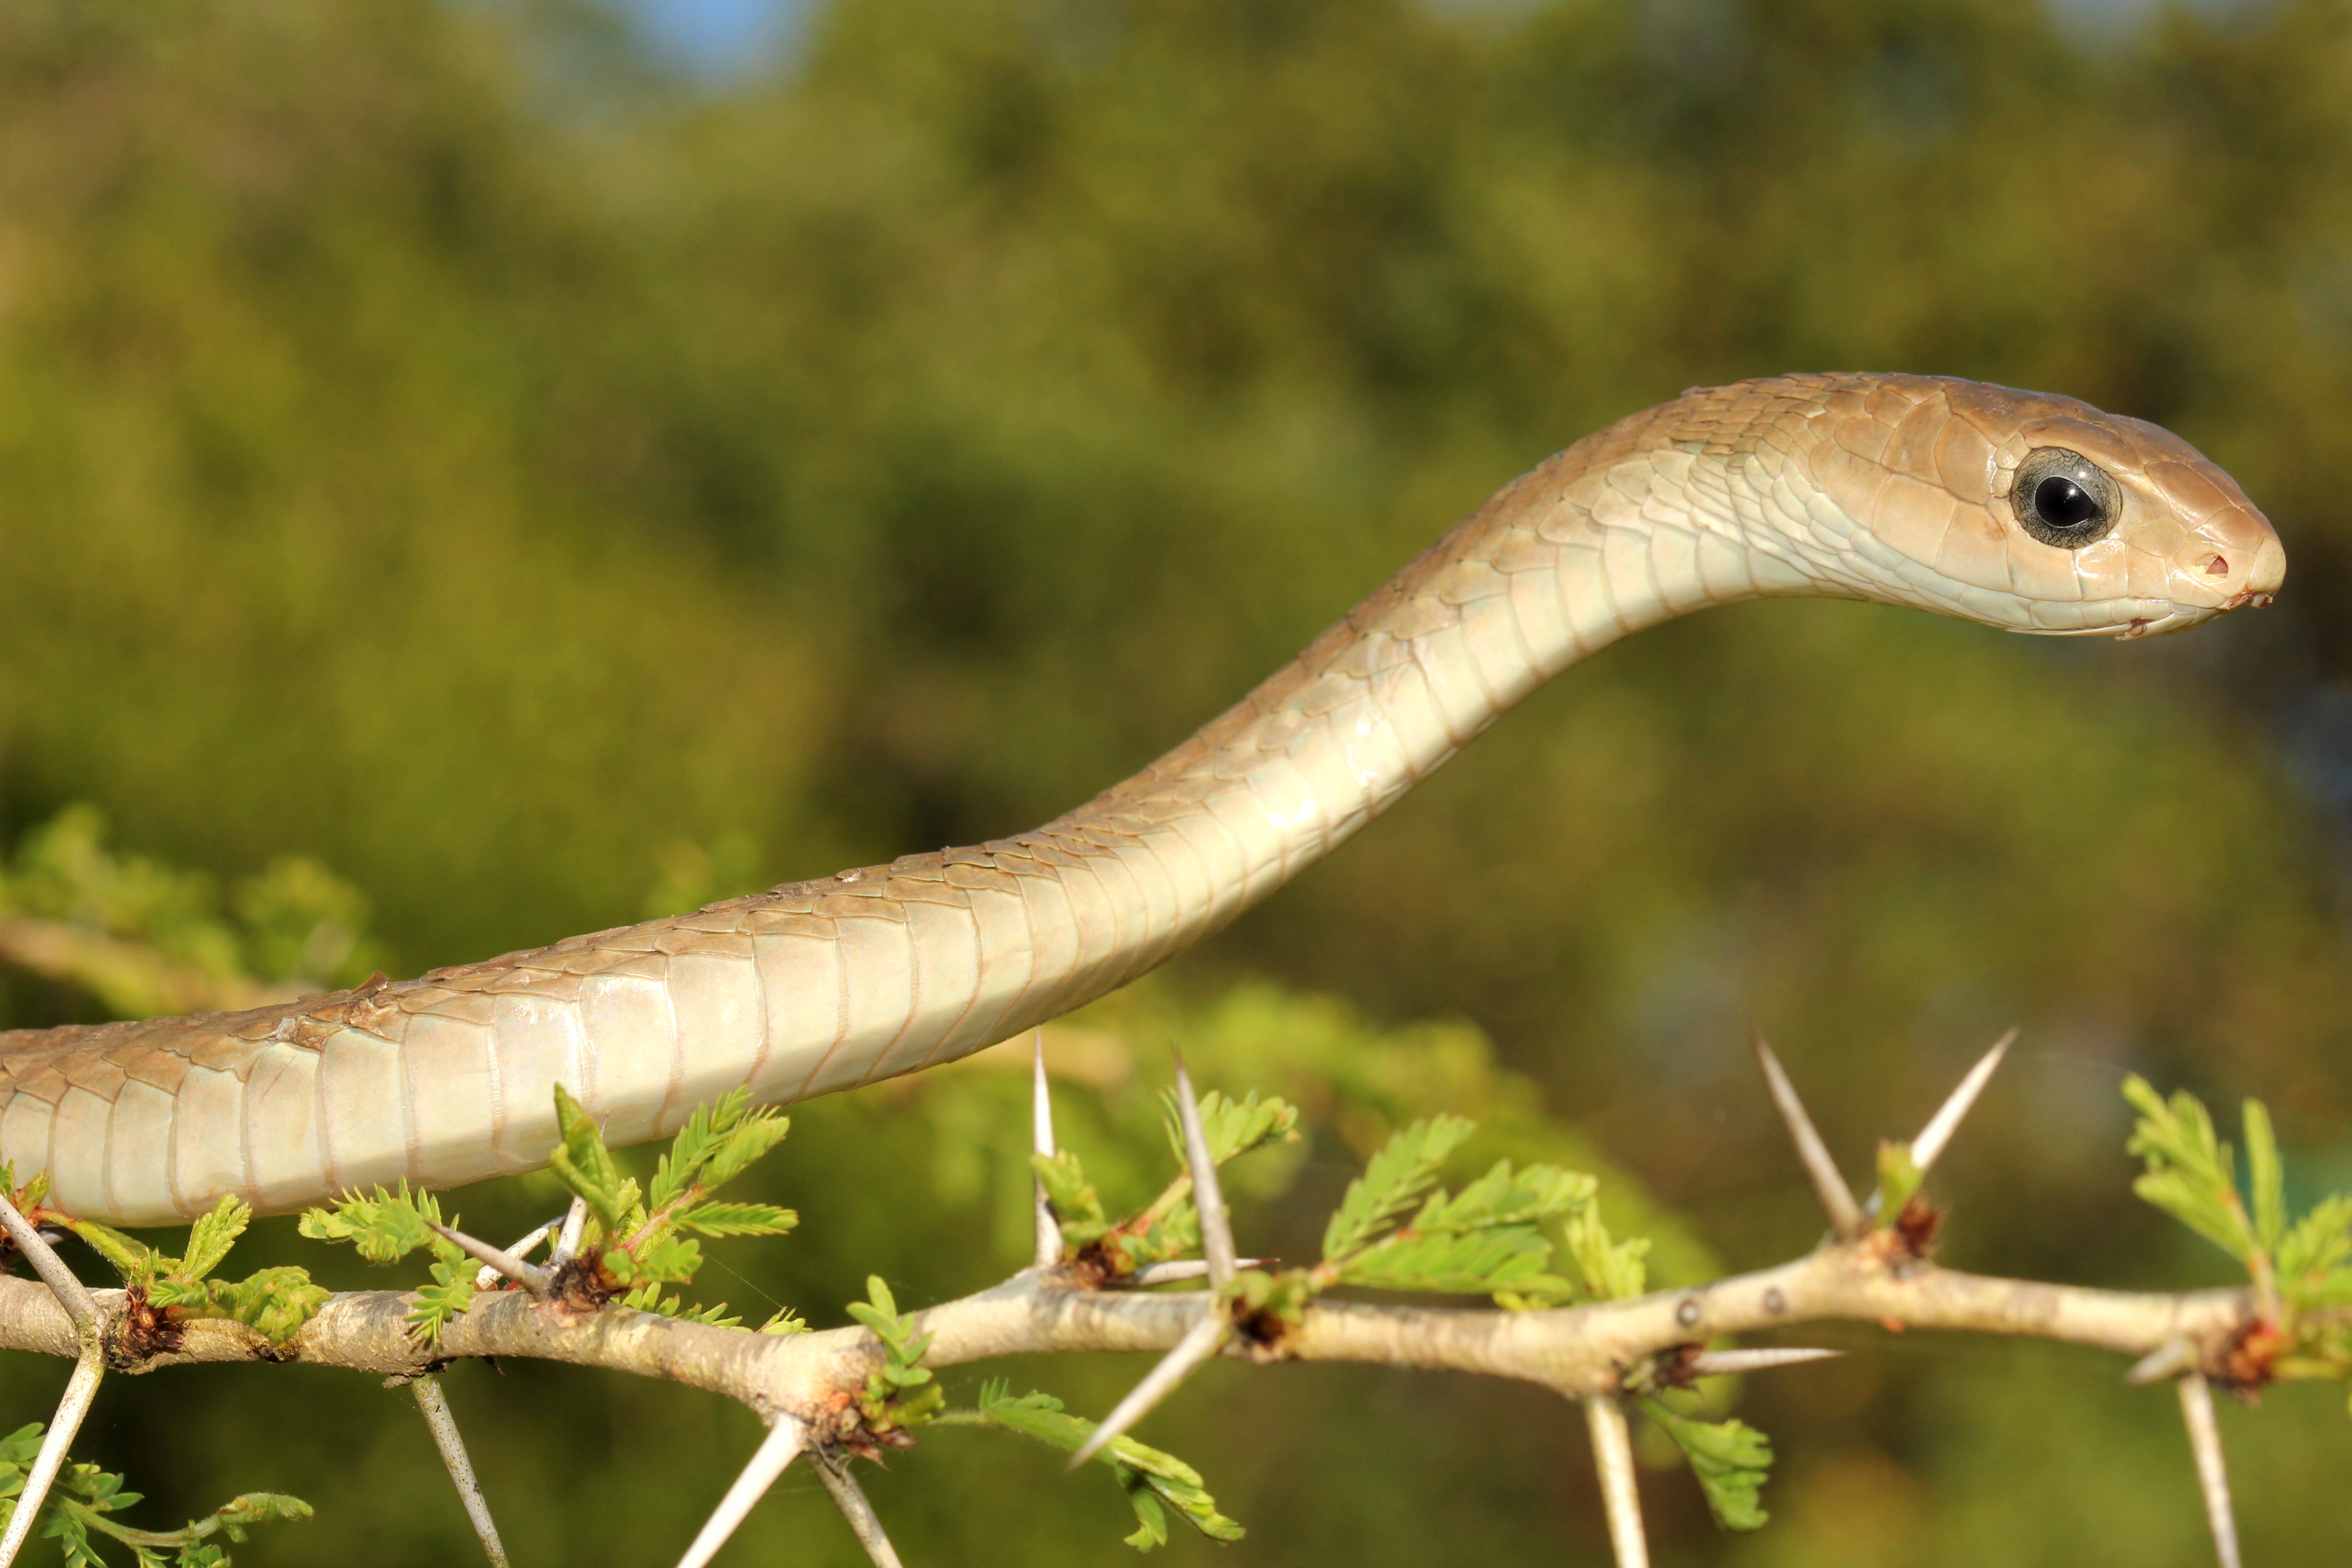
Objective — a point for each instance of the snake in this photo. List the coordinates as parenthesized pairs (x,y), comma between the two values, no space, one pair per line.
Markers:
(2025,511)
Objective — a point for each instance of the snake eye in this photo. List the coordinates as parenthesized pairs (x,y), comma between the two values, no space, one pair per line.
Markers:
(2064,498)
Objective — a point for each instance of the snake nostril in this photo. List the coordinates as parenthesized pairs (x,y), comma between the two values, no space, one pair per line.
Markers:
(2217,567)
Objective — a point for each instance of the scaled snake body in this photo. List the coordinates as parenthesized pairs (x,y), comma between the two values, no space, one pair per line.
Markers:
(2028,512)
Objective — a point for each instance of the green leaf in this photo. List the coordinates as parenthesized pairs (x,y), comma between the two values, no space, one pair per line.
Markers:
(583,1164)
(1613,1270)
(384,1226)
(1076,1203)
(211,1238)
(451,1292)
(1150,1476)
(1898,1180)
(783,1320)
(2312,1255)
(2268,1176)
(745,1144)
(694,1144)
(738,1219)
(277,1301)
(1230,1128)
(1499,1258)
(1731,1459)
(1393,1180)
(2190,1174)
(647,1298)
(135,1261)
(669,1261)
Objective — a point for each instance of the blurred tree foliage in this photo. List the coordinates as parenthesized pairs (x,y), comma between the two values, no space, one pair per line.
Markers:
(432,442)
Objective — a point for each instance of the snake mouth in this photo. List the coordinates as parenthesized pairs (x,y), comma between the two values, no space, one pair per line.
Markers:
(2156,617)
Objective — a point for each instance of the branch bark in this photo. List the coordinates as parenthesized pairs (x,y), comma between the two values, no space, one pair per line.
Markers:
(815,1376)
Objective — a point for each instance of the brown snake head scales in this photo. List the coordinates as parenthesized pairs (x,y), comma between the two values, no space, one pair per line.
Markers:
(2024,511)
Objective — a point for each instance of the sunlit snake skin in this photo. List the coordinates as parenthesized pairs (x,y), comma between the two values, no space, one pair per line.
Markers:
(1888,488)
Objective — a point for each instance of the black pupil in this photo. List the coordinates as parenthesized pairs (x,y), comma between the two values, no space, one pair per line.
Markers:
(2062,503)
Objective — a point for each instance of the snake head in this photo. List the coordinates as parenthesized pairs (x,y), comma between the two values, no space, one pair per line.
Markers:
(2039,514)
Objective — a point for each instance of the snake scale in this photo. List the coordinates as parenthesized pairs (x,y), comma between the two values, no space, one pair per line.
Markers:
(2029,513)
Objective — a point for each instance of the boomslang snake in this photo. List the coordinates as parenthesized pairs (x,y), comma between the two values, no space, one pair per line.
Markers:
(2029,513)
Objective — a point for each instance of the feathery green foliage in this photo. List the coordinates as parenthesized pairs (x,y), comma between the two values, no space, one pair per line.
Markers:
(86,1500)
(278,1302)
(1153,1481)
(1731,1459)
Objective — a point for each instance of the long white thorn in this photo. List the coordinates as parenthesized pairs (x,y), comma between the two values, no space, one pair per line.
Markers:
(81,1389)
(1041,1133)
(567,1245)
(1200,1341)
(1169,1273)
(1937,1136)
(2213,1477)
(784,1439)
(1216,1224)
(70,1292)
(1612,1457)
(1732,1363)
(446,1437)
(2169,1359)
(529,1276)
(1845,1215)
(485,1277)
(864,1523)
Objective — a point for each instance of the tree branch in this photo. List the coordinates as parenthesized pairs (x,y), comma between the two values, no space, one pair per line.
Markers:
(1576,1350)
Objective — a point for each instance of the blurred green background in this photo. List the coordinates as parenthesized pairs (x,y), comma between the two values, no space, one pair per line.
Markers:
(553,465)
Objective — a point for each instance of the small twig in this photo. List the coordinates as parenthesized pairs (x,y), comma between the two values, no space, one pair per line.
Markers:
(81,1389)
(1041,1128)
(786,1438)
(1845,1215)
(1203,1340)
(445,1437)
(71,1293)
(1612,1457)
(530,1276)
(567,1245)
(485,1277)
(1732,1363)
(1937,1136)
(1179,1268)
(1208,1198)
(2213,1477)
(863,1523)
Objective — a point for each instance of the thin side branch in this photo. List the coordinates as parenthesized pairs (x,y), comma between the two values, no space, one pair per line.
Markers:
(863,1523)
(1612,1457)
(79,1304)
(431,1400)
(1837,1198)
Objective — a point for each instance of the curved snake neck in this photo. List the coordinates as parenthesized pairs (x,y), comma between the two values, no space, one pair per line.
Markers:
(1725,494)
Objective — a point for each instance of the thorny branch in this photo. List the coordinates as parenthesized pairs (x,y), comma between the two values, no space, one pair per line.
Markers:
(807,1387)
(1574,1350)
